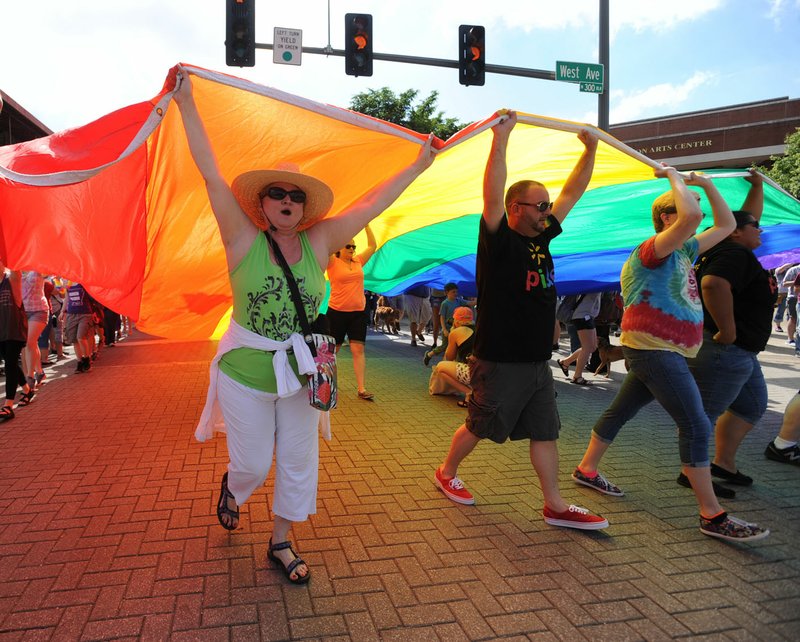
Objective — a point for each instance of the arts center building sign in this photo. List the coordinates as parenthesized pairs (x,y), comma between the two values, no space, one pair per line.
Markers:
(677,146)
(732,136)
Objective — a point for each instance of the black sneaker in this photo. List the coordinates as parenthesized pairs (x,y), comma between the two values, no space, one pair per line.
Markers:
(719,491)
(790,455)
(737,478)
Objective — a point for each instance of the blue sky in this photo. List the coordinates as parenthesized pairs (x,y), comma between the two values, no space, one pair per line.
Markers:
(69,62)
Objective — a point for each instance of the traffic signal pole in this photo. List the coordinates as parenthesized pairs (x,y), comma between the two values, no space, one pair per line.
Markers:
(602,99)
(541,74)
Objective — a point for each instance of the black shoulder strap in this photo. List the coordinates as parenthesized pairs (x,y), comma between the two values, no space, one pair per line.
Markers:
(295,291)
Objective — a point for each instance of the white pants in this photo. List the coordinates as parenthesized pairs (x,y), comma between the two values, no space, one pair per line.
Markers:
(259,423)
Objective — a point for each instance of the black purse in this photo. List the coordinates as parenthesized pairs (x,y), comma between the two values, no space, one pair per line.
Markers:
(322,389)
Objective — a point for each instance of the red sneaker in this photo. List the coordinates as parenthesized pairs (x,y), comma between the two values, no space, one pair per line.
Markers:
(575,517)
(453,488)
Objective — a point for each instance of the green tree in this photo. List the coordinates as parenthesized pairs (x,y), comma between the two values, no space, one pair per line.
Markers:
(785,170)
(400,109)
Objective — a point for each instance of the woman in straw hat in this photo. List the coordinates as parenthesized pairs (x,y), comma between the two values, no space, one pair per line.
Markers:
(254,391)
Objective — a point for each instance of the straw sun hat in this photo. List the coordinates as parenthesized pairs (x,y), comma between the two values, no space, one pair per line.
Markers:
(247,187)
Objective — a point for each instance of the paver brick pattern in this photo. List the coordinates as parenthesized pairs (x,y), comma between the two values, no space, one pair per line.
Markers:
(108,526)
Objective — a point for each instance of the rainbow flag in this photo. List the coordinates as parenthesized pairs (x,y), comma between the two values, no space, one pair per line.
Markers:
(119,206)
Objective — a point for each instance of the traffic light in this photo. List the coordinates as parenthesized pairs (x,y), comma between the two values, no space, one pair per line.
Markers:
(471,55)
(240,33)
(358,44)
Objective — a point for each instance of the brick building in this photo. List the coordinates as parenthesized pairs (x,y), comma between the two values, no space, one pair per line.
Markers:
(16,124)
(732,136)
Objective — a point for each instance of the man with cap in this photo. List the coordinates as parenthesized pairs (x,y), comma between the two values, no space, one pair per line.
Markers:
(255,392)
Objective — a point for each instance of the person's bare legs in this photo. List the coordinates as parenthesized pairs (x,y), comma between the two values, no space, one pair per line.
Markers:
(359,363)
(594,453)
(588,339)
(280,533)
(414,332)
(31,356)
(700,478)
(462,444)
(436,325)
(447,370)
(544,457)
(790,429)
(730,431)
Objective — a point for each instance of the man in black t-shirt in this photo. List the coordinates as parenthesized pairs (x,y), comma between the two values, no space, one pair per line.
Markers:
(512,386)
(738,299)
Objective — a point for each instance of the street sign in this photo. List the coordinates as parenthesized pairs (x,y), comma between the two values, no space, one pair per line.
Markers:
(592,87)
(287,46)
(579,72)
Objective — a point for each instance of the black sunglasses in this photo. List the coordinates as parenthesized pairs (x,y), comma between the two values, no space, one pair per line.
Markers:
(278,194)
(349,247)
(542,206)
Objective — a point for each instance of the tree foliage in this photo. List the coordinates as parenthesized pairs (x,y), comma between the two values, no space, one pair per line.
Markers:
(400,109)
(785,170)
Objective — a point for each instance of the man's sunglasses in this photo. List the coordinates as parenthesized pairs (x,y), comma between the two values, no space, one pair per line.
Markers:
(278,194)
(542,206)
(349,247)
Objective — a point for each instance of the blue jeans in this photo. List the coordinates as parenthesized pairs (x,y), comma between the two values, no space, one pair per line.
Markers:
(729,378)
(780,309)
(665,377)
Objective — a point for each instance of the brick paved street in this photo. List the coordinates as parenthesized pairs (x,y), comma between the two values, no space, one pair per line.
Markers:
(108,529)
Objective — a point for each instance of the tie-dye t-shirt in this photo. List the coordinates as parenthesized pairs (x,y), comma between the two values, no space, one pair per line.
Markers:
(662,304)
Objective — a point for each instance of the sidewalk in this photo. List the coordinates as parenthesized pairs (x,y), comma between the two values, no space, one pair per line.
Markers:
(108,527)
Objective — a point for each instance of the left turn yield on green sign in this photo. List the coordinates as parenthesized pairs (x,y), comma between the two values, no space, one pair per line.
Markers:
(287,46)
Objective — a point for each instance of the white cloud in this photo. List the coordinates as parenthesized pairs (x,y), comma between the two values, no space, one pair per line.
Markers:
(779,8)
(632,105)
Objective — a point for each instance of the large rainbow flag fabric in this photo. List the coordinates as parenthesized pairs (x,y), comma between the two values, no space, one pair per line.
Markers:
(119,206)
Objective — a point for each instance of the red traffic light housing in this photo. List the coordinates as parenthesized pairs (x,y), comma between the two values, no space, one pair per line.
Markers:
(358,44)
(471,55)
(240,33)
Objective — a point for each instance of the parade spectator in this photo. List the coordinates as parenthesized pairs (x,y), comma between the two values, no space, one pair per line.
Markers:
(37,309)
(372,306)
(57,323)
(583,319)
(663,326)
(437,296)
(78,326)
(262,406)
(416,302)
(790,281)
(513,395)
(111,326)
(784,448)
(738,297)
(446,309)
(13,336)
(44,338)
(347,313)
(783,289)
(453,372)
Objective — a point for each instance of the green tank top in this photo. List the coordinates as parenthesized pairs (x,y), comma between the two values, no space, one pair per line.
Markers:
(263,304)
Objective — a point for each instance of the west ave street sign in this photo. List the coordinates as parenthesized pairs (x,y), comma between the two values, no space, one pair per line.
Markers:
(579,72)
